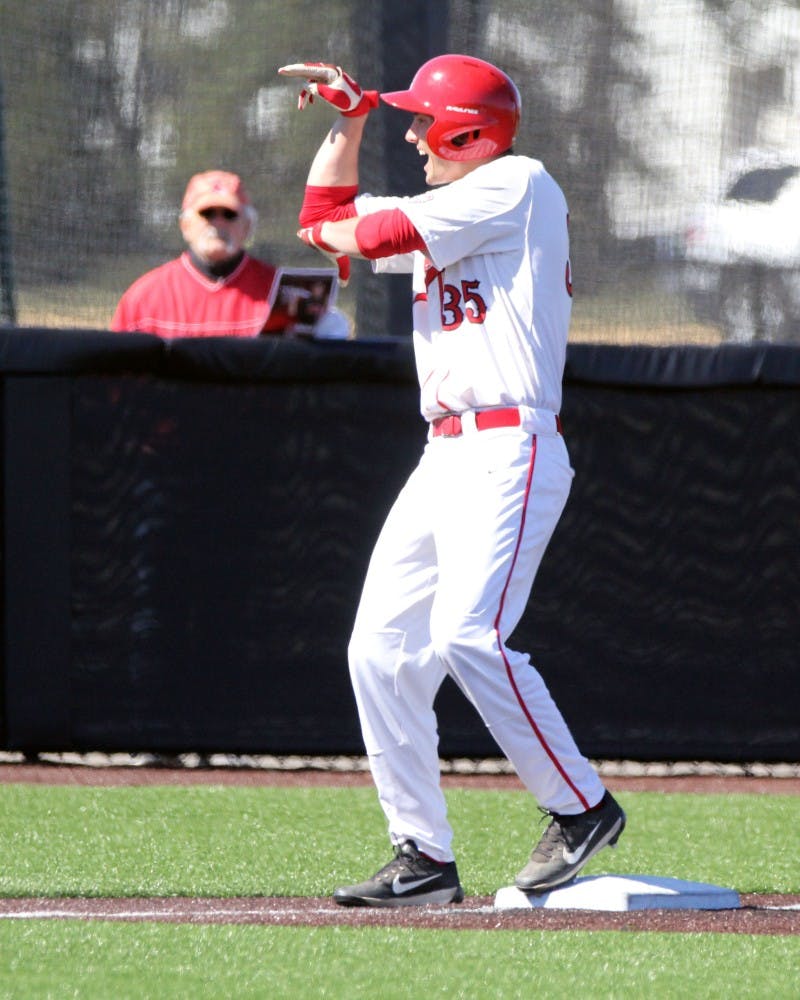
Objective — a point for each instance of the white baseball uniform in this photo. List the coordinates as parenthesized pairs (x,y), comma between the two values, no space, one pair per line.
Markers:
(455,562)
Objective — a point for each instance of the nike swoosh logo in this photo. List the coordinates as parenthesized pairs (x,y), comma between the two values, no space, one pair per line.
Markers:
(400,888)
(572,857)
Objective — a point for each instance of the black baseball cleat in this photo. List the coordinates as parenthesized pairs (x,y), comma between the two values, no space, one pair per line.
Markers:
(569,843)
(411,879)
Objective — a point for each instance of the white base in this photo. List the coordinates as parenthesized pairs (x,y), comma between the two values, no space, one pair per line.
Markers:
(620,893)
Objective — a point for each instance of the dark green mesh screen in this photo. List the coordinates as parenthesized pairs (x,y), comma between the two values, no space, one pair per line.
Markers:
(647,113)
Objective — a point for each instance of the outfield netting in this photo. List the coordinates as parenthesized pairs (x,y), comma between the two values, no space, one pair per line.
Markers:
(647,113)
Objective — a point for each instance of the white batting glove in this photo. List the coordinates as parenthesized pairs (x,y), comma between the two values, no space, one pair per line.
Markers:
(333,85)
(312,238)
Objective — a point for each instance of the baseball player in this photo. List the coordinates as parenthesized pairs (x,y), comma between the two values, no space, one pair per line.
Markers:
(453,567)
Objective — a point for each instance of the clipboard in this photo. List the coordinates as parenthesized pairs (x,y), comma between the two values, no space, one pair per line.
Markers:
(303,295)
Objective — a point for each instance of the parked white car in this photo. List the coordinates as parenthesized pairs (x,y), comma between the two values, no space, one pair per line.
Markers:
(742,256)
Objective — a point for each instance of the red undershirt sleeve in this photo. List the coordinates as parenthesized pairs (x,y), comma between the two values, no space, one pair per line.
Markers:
(386,233)
(321,204)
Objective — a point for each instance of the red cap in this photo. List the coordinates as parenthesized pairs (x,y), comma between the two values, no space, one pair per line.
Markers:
(215,189)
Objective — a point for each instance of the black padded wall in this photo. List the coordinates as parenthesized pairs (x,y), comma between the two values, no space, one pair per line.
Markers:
(185,531)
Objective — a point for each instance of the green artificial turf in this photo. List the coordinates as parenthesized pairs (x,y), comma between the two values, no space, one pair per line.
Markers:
(105,961)
(215,841)
(210,841)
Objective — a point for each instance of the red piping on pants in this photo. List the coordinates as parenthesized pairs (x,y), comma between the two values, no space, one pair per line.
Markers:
(531,721)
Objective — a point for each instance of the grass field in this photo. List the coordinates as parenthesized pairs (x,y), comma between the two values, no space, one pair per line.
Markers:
(104,961)
(210,841)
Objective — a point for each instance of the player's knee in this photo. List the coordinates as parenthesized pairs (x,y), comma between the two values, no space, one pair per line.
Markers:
(452,638)
(373,653)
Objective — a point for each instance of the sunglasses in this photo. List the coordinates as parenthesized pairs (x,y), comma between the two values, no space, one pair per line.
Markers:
(213,213)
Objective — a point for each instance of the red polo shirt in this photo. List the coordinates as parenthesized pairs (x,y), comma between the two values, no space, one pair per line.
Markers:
(177,300)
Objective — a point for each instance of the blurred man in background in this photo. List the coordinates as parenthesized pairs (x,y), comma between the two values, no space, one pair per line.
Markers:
(215,288)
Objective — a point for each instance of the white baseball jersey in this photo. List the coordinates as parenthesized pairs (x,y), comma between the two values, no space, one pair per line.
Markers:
(492,300)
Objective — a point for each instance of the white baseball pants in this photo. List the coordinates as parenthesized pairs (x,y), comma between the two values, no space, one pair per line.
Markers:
(448,581)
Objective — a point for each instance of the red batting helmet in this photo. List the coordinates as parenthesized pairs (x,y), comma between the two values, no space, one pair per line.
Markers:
(475,107)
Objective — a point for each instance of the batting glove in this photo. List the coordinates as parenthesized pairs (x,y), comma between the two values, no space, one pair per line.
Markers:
(333,85)
(312,238)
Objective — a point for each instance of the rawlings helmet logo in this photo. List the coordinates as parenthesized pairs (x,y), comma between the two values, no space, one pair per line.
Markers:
(463,111)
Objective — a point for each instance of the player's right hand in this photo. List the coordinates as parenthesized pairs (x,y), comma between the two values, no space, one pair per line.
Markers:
(333,85)
(312,237)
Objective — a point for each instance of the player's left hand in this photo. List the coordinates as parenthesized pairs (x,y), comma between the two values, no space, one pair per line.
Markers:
(333,85)
(311,236)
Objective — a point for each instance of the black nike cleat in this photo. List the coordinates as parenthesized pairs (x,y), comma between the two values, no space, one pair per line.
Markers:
(411,879)
(569,843)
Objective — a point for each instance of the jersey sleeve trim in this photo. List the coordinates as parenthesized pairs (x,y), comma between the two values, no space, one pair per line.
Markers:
(387,233)
(327,204)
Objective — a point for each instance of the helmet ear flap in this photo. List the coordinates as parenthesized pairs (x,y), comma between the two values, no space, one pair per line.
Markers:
(460,144)
(450,141)
(464,137)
